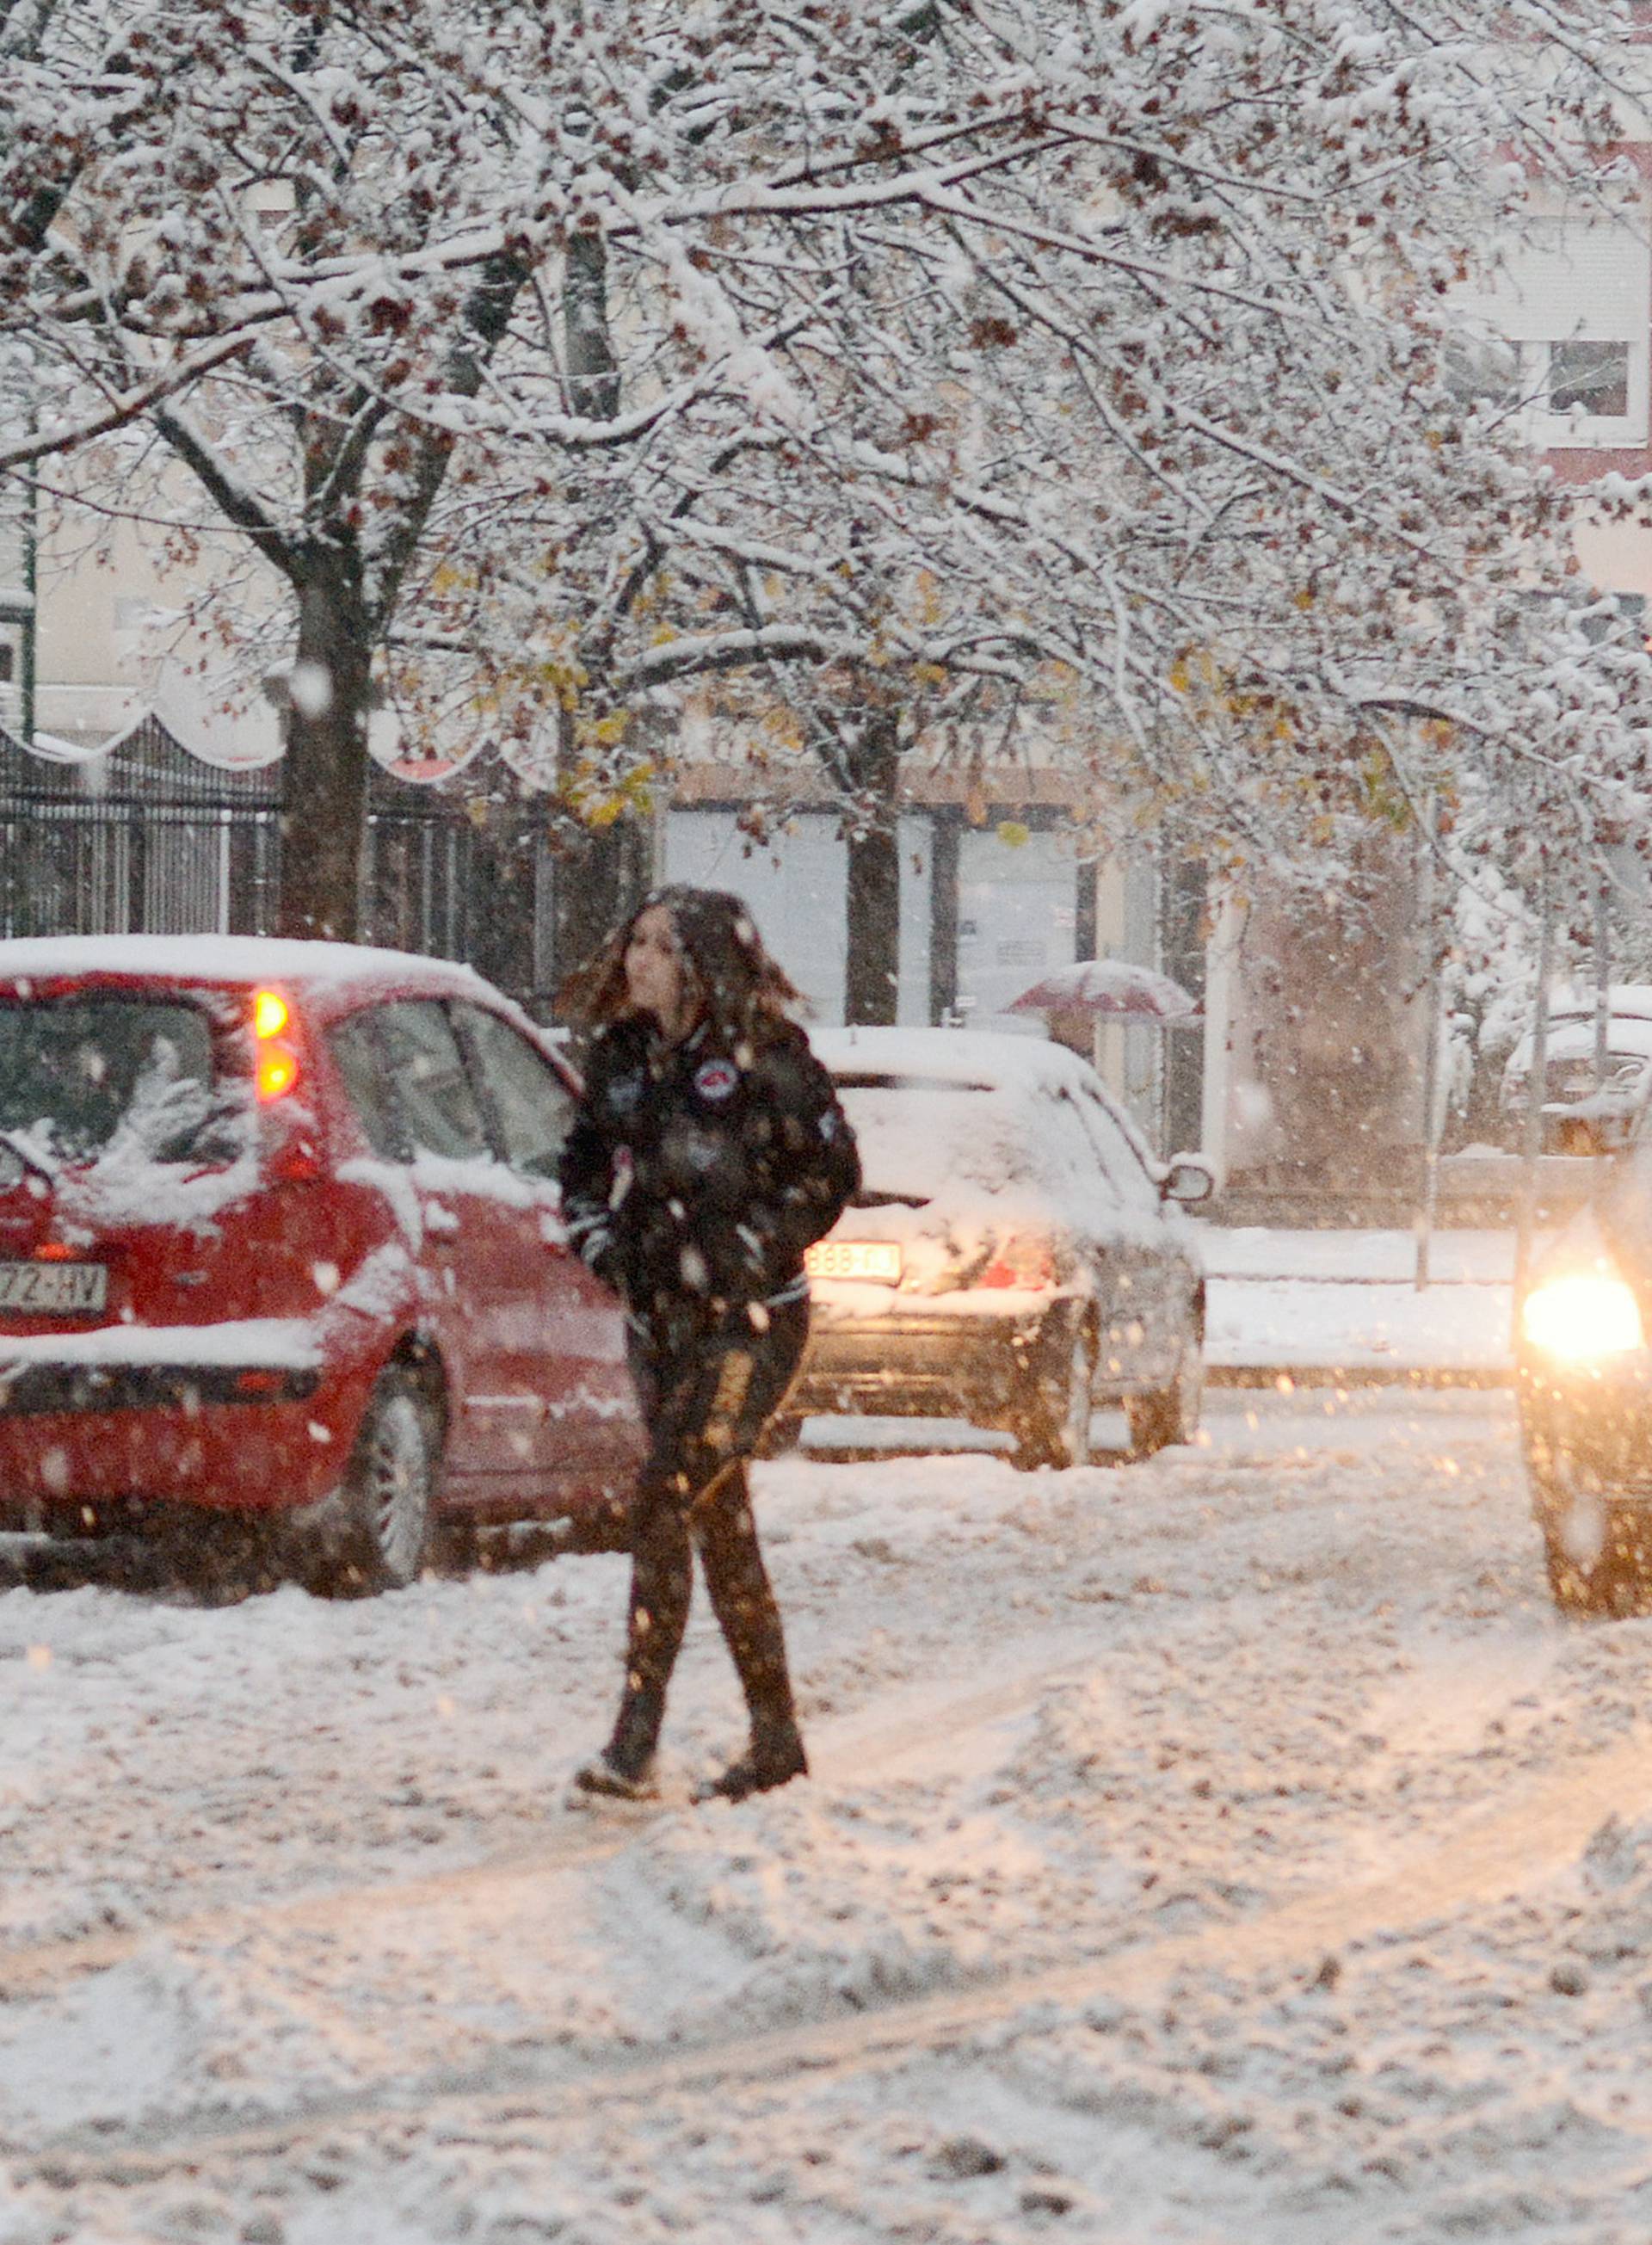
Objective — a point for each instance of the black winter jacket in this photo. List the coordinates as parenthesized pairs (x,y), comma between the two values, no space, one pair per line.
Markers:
(692,1174)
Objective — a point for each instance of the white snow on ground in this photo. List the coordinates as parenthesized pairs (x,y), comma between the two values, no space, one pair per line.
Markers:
(1234,1845)
(1455,1258)
(1347,1299)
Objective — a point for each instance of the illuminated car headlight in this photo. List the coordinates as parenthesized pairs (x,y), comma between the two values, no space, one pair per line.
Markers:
(1583,1316)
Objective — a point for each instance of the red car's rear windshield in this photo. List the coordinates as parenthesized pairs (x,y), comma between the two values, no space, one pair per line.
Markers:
(74,1070)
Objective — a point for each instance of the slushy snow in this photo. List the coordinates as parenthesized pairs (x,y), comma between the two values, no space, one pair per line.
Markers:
(1231,1844)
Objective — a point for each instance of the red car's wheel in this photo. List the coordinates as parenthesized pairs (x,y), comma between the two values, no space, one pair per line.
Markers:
(389,1497)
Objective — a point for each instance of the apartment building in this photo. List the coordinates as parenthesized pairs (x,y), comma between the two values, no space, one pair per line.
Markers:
(1329,1015)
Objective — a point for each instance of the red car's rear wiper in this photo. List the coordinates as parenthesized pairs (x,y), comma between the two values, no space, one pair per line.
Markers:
(15,1142)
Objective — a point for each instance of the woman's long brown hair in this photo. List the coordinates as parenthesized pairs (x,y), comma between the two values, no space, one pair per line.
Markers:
(732,978)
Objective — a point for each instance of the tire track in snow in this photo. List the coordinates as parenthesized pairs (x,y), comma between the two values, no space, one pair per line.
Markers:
(856,1748)
(44,1966)
(1489,1858)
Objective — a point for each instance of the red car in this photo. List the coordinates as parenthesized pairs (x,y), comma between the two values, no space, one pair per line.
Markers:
(279,1242)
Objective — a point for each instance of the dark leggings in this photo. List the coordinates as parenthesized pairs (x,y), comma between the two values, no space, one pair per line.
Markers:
(707,1389)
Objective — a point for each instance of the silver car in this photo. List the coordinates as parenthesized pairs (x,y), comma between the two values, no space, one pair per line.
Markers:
(1015,1256)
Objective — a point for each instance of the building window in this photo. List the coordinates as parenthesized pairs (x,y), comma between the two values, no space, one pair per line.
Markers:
(1482,370)
(1591,378)
(1554,328)
(1584,392)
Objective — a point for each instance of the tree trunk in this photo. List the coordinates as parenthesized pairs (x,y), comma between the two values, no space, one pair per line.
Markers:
(593,371)
(872,980)
(324,791)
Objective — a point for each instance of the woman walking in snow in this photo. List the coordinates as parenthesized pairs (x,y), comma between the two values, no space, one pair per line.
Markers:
(708,1152)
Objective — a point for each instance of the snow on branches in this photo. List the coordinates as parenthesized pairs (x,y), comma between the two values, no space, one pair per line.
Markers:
(982,364)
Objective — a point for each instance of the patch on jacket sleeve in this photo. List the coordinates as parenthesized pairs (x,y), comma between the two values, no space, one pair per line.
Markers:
(715,1080)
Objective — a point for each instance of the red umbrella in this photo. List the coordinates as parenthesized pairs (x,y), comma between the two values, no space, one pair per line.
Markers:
(1109,987)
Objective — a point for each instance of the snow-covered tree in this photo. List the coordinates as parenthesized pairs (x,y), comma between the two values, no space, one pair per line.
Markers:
(1077,362)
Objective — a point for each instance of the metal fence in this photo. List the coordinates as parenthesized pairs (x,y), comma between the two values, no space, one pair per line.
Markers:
(147,837)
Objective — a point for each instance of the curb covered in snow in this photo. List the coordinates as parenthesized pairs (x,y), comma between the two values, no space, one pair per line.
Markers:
(1288,1376)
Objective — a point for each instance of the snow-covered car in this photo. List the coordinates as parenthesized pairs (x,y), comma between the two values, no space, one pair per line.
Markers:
(1014,1256)
(279,1241)
(1585,1382)
(1574,1105)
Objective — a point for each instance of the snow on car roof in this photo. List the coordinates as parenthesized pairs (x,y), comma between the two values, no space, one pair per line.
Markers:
(1634,999)
(1626,1038)
(900,1090)
(961,1056)
(1624,1032)
(217,959)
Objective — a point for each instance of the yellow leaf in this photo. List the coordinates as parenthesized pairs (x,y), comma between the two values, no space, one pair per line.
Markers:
(783,725)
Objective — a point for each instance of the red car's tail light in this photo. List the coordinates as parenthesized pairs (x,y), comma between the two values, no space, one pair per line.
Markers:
(277,1063)
(271,1014)
(1023,1260)
(277,1072)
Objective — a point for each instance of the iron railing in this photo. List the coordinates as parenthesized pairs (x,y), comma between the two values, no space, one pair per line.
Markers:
(147,837)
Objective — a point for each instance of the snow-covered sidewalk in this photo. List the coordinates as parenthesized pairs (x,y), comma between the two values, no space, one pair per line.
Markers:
(1308,1305)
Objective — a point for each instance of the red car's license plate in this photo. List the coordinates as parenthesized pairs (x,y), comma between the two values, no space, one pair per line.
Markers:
(65,1289)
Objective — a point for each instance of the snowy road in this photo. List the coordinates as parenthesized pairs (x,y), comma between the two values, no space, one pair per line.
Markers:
(1229,1847)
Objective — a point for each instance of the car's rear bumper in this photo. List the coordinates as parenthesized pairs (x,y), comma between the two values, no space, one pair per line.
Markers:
(905,1365)
(81,1441)
(1590,1425)
(58,1390)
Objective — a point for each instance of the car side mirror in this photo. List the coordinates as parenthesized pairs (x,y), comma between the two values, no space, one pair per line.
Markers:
(1189,1179)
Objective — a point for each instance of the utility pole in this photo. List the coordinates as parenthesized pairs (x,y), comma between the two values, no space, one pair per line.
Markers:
(1536,1089)
(1603,976)
(30,622)
(1430,1056)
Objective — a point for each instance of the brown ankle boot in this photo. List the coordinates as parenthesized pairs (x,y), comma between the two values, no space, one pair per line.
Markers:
(773,1761)
(603,1778)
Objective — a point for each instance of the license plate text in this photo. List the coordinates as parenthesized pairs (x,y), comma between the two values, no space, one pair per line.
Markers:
(62,1289)
(878,1260)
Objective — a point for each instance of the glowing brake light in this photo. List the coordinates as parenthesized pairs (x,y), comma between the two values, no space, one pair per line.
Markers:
(271,1014)
(277,1071)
